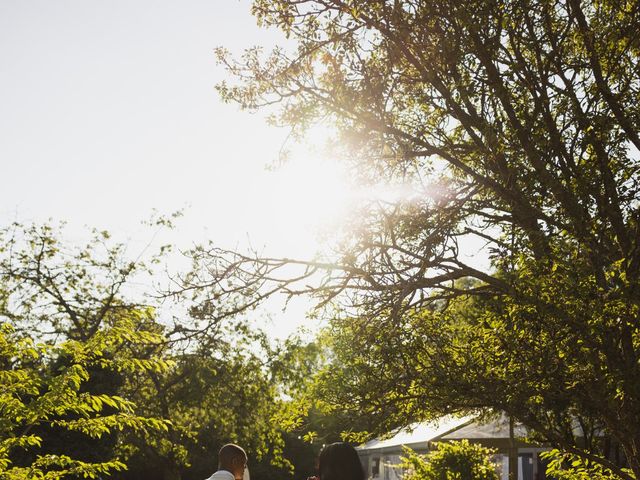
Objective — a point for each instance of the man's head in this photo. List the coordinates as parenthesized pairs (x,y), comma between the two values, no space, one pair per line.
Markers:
(232,458)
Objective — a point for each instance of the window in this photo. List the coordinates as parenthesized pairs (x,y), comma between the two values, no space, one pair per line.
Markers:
(375,467)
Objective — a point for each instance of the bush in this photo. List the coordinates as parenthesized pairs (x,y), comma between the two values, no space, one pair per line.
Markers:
(451,461)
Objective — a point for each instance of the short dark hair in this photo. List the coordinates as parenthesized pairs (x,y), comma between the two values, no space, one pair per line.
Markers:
(339,461)
(230,455)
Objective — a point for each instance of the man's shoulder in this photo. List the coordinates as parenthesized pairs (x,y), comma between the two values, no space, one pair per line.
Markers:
(222,475)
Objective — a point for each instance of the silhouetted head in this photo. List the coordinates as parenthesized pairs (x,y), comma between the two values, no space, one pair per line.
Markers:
(232,458)
(339,461)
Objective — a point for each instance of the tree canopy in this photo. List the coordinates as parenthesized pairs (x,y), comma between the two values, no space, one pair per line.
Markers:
(516,124)
(97,382)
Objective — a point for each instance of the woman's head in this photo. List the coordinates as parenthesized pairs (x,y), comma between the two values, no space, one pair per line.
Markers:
(339,461)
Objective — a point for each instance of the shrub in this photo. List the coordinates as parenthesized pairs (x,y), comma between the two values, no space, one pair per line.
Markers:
(451,461)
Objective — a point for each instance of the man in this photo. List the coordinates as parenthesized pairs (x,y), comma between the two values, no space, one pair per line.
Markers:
(232,462)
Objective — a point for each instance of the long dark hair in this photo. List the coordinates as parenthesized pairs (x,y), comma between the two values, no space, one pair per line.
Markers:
(339,461)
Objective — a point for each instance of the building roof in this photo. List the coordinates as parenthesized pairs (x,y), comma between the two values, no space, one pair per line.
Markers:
(419,433)
(488,429)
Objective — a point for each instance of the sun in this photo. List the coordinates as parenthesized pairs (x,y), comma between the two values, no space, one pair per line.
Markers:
(301,199)
(292,210)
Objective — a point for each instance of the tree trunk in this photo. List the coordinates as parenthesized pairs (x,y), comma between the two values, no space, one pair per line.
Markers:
(513,453)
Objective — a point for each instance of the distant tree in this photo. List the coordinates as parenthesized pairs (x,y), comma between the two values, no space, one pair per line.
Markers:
(516,122)
(225,393)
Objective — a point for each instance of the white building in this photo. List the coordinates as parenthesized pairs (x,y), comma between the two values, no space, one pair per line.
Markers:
(381,457)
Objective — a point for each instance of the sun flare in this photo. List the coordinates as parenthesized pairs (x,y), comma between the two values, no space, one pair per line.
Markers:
(309,198)
(305,196)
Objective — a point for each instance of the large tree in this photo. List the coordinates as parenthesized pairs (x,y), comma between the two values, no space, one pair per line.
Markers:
(97,380)
(516,121)
(68,339)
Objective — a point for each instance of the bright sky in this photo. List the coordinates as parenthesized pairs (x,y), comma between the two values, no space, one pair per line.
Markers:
(108,111)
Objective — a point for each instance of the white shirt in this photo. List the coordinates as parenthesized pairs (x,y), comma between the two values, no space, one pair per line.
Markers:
(222,475)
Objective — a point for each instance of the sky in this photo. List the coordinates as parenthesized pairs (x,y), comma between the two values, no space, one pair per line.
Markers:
(108,113)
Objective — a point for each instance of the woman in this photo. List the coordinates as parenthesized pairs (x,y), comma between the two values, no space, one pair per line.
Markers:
(339,461)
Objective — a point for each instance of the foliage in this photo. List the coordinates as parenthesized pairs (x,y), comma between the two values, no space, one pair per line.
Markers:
(450,461)
(39,394)
(96,384)
(515,125)
(212,398)
(70,338)
(563,466)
